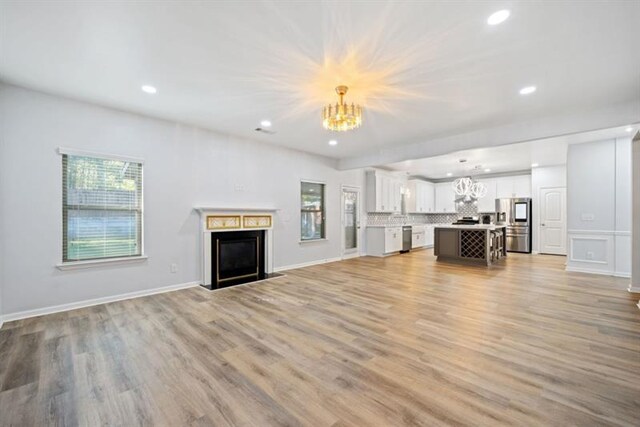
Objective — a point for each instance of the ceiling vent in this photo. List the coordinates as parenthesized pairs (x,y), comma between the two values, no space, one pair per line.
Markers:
(267,131)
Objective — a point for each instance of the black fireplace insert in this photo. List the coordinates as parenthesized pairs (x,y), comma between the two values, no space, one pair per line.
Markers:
(237,257)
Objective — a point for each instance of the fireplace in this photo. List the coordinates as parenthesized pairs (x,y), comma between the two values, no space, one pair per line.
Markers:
(236,245)
(237,257)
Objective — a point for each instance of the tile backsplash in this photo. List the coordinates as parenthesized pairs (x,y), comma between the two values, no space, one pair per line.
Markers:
(466,209)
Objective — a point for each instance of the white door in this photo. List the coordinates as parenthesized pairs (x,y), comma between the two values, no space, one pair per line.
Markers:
(350,222)
(553,221)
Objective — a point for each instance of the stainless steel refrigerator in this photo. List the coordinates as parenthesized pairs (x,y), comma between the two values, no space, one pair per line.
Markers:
(516,215)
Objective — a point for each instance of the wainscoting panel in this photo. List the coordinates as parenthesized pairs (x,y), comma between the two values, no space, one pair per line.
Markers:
(591,251)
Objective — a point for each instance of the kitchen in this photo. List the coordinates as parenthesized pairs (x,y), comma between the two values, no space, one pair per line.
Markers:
(407,203)
(403,214)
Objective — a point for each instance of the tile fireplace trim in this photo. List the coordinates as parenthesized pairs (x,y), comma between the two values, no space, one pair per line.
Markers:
(223,222)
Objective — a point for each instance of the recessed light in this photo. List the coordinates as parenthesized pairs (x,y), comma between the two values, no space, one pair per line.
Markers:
(534,165)
(449,174)
(527,90)
(149,89)
(333,142)
(265,123)
(629,129)
(498,17)
(487,170)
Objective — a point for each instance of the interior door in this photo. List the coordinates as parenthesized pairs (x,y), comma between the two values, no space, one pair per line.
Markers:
(553,221)
(350,221)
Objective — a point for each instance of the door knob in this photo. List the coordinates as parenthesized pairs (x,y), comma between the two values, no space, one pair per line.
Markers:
(542,225)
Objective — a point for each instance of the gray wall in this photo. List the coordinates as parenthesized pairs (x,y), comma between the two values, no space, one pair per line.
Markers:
(591,177)
(599,207)
(184,166)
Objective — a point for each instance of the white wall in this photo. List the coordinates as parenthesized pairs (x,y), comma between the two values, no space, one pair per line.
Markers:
(635,275)
(184,167)
(544,177)
(599,210)
(622,237)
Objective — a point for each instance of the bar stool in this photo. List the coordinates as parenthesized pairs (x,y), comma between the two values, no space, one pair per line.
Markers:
(497,244)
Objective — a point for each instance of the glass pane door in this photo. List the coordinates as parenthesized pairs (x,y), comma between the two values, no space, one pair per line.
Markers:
(350,220)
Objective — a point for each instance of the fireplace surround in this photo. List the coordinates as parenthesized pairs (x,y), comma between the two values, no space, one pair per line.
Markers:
(236,245)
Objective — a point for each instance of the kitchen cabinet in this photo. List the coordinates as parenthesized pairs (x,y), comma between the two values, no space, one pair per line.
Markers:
(488,202)
(421,197)
(428,238)
(418,236)
(445,198)
(392,239)
(513,186)
(383,241)
(384,192)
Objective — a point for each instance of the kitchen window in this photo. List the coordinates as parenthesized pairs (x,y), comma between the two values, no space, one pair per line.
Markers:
(312,211)
(101,207)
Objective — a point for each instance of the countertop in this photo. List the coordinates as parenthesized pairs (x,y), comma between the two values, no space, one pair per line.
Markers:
(402,225)
(471,226)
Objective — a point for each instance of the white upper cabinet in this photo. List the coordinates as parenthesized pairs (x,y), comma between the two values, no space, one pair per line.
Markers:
(445,198)
(383,192)
(421,197)
(522,186)
(488,202)
(513,186)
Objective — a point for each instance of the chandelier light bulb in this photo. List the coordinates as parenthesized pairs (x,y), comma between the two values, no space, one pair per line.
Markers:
(341,116)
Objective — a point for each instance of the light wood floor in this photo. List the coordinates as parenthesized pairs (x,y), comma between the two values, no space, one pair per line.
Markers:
(368,342)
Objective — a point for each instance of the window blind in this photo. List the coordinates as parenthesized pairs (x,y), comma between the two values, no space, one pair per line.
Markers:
(101,208)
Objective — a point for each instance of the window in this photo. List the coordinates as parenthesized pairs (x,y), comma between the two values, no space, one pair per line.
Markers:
(101,208)
(312,211)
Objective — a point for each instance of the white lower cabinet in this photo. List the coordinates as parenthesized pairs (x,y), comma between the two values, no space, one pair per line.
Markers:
(383,240)
(392,239)
(417,240)
(429,236)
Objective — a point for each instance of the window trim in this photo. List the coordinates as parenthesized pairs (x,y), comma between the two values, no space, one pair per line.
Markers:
(94,262)
(77,265)
(323,237)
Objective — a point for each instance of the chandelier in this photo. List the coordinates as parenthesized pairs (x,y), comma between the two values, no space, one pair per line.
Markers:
(341,116)
(467,189)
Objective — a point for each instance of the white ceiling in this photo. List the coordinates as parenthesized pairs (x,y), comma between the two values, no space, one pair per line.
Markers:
(503,159)
(421,69)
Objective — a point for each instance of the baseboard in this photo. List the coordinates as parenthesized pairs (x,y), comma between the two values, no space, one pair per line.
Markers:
(97,301)
(307,264)
(589,271)
(622,274)
(634,289)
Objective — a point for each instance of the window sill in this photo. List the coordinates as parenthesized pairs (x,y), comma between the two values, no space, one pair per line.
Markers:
(76,265)
(312,241)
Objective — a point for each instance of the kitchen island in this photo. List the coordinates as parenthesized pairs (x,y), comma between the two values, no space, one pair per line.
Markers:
(473,244)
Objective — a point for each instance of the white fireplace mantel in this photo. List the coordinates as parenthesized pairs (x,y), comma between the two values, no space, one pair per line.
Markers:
(215,219)
(208,209)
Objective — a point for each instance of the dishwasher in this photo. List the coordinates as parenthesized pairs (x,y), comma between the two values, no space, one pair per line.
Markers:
(406,238)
